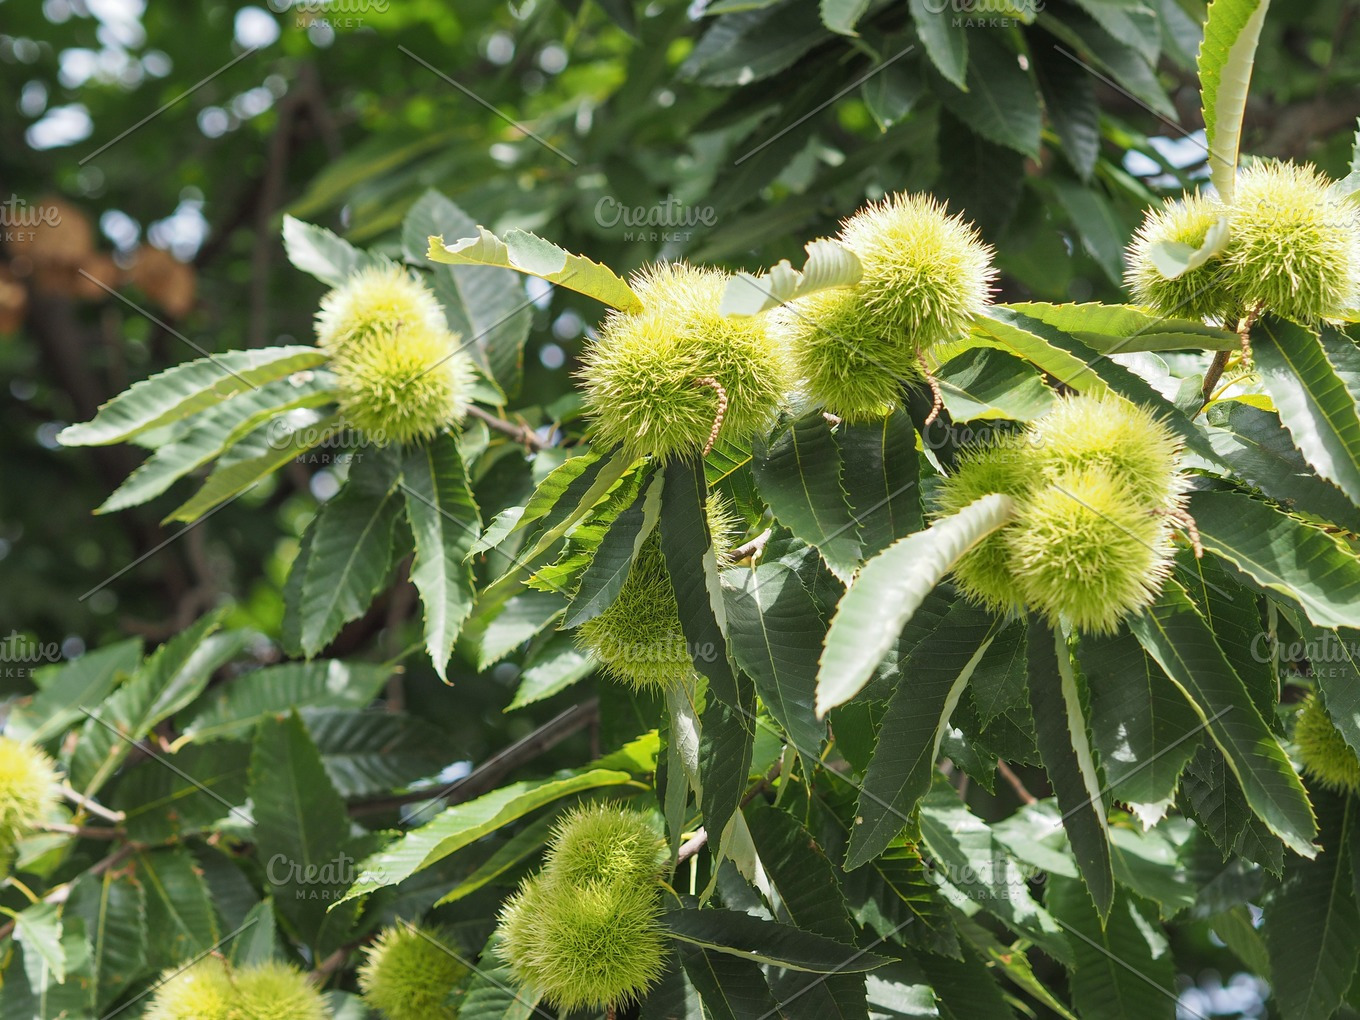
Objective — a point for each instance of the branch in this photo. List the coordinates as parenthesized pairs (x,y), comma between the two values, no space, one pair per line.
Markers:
(520,433)
(94,808)
(488,775)
(1019,787)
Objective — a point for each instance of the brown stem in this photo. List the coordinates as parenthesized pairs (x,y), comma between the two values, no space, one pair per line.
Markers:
(717,387)
(520,433)
(1214,373)
(751,548)
(83,831)
(1015,783)
(692,846)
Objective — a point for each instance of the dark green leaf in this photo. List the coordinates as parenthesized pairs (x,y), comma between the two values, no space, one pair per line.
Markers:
(445,523)
(769,942)
(1179,639)
(799,475)
(1065,745)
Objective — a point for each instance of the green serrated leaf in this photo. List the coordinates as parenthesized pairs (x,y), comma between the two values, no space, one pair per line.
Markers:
(166,682)
(768,942)
(302,832)
(888,591)
(900,772)
(1298,370)
(1123,964)
(457,826)
(614,556)
(1225,60)
(445,522)
(829,264)
(528,253)
(178,907)
(1065,745)
(321,253)
(350,554)
(1312,924)
(776,632)
(186,389)
(1279,552)
(233,710)
(215,430)
(262,453)
(799,475)
(1175,634)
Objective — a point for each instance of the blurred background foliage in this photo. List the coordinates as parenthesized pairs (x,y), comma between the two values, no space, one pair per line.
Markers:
(161,144)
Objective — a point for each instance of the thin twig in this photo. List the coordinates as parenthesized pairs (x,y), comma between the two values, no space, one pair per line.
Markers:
(751,548)
(94,808)
(83,831)
(692,846)
(1019,787)
(520,433)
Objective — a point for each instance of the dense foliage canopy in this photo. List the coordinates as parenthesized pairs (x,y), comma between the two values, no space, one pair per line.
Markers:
(735,510)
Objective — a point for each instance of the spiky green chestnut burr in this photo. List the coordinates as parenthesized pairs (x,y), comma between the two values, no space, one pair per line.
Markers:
(407,975)
(28,790)
(925,275)
(1323,751)
(845,361)
(985,573)
(1199,293)
(638,639)
(1086,552)
(584,945)
(1106,431)
(375,299)
(276,991)
(657,380)
(605,841)
(202,991)
(404,381)
(1295,244)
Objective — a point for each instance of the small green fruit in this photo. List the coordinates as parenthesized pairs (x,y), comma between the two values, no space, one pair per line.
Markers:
(1323,751)
(28,790)
(1106,431)
(584,945)
(403,381)
(375,299)
(202,991)
(1199,293)
(1295,243)
(406,975)
(846,361)
(276,991)
(985,573)
(926,275)
(605,841)
(638,638)
(643,376)
(1087,552)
